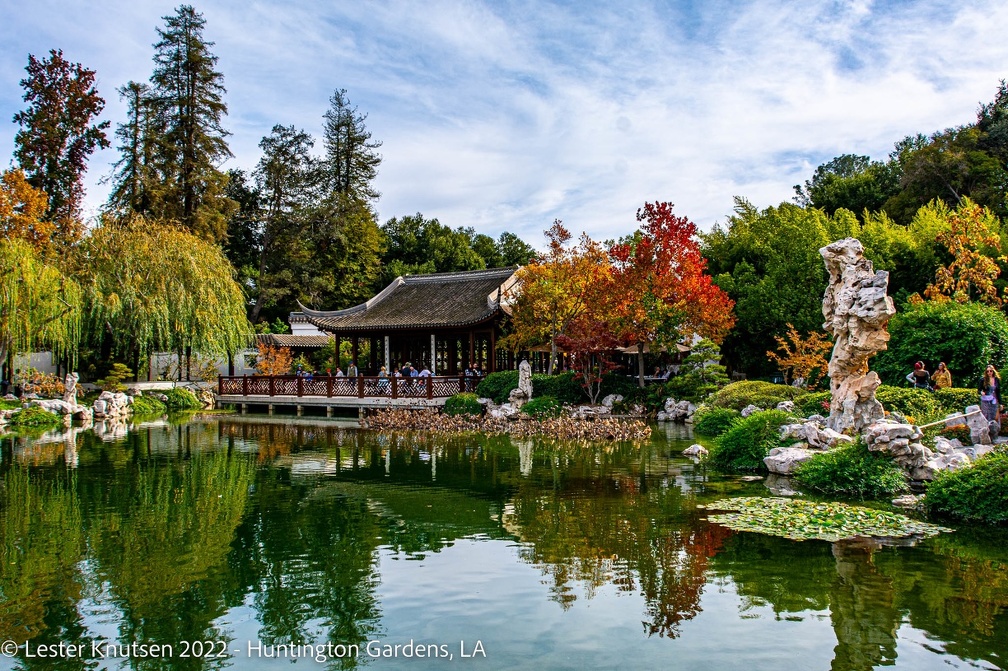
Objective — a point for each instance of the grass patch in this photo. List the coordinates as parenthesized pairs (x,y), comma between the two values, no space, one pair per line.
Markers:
(148,405)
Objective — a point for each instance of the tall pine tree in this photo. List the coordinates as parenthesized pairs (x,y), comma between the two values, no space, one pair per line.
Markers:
(187,95)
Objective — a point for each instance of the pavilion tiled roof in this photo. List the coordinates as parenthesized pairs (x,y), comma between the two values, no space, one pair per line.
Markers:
(438,300)
(293,340)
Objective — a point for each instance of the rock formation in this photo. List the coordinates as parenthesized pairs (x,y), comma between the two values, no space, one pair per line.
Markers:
(856,311)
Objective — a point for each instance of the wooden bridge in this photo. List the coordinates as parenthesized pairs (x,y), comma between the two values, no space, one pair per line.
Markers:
(347,392)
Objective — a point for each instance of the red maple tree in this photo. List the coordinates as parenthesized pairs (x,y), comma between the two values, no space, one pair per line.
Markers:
(661,293)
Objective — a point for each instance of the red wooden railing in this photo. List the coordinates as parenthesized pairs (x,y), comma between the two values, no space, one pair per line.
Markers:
(325,386)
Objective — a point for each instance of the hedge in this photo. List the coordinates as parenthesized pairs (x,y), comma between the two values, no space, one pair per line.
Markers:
(765,395)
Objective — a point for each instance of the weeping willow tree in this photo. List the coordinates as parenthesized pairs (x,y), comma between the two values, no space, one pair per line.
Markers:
(39,305)
(150,287)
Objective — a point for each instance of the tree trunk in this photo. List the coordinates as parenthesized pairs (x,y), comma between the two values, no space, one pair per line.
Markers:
(640,364)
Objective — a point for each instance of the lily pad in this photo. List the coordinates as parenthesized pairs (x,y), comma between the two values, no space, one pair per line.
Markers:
(809,520)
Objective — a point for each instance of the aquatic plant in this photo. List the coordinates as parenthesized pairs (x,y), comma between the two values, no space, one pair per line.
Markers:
(799,519)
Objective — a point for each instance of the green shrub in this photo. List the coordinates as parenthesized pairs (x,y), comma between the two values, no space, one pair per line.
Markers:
(766,395)
(148,405)
(955,399)
(563,387)
(919,405)
(543,406)
(497,386)
(36,416)
(463,404)
(966,336)
(182,399)
(690,387)
(113,381)
(714,421)
(852,471)
(975,493)
(743,446)
(9,405)
(811,403)
(618,383)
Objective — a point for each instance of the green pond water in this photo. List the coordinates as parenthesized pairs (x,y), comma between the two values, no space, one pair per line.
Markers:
(246,543)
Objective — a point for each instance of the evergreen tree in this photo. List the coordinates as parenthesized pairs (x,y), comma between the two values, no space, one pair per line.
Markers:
(58,134)
(188,100)
(283,182)
(351,161)
(136,184)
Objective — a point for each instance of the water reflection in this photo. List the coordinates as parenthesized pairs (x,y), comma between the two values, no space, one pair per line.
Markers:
(280,531)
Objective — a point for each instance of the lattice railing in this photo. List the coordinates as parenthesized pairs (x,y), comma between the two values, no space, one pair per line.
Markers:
(345,387)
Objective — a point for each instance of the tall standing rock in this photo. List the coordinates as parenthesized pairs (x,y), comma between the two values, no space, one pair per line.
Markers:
(857,311)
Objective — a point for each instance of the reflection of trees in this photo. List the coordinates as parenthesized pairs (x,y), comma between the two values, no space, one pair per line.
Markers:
(956,589)
(788,577)
(953,587)
(636,533)
(862,609)
(41,544)
(310,560)
(160,534)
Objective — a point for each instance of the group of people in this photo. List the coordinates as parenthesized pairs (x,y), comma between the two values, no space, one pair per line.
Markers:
(920,378)
(989,387)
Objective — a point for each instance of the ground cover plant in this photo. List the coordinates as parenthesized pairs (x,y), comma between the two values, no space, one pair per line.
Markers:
(852,471)
(148,405)
(798,519)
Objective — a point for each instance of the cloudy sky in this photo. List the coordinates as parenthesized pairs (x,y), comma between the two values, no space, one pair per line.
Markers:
(506,115)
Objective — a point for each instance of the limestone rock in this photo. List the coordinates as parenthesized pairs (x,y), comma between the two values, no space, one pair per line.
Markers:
(611,400)
(695,450)
(70,388)
(786,406)
(784,460)
(750,409)
(978,425)
(856,310)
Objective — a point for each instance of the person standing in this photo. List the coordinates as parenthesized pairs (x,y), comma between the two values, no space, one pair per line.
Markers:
(920,378)
(942,378)
(990,394)
(352,370)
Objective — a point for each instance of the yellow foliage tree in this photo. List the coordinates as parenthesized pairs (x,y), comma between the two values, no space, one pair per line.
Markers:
(800,357)
(973,242)
(22,208)
(273,360)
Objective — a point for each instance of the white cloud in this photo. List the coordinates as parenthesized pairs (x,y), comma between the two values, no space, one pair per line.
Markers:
(505,116)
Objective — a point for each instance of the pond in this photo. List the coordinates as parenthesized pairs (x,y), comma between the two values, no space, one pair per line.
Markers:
(251,543)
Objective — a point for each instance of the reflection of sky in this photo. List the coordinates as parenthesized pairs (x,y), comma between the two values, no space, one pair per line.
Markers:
(483,590)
